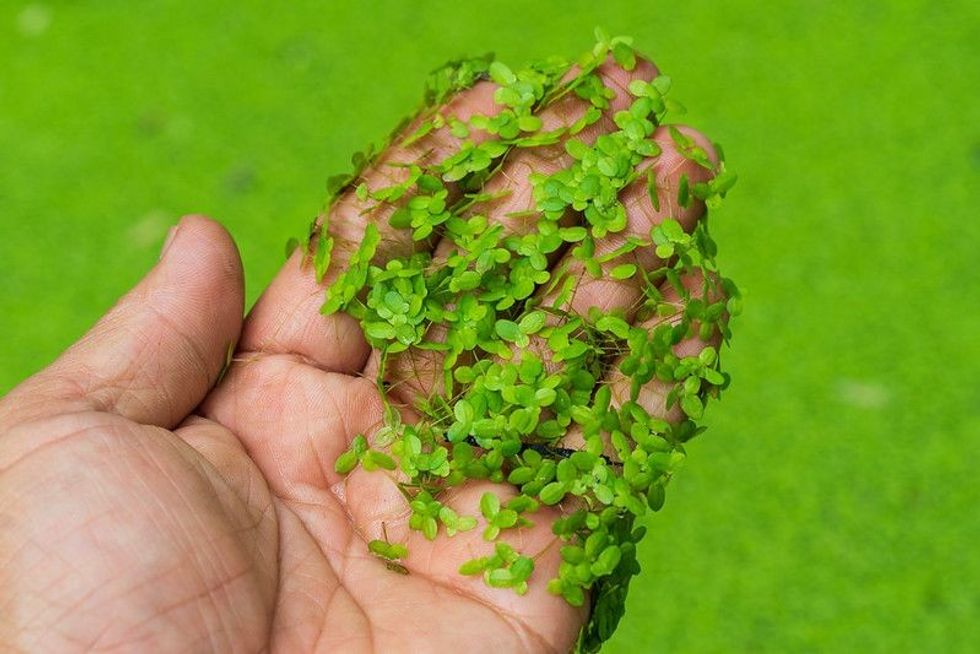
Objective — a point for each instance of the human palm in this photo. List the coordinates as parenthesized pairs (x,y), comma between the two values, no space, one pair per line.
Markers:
(144,504)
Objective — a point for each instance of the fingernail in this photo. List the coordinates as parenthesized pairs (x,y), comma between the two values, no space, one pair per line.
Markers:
(168,240)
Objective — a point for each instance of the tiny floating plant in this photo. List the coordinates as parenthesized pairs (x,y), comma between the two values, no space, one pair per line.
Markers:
(585,409)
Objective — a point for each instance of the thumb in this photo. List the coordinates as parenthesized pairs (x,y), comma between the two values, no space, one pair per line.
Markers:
(153,356)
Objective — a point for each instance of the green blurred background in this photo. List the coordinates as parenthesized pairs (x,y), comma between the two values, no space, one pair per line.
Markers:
(834,503)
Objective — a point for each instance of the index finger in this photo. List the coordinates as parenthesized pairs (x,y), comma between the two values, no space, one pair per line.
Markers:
(287,319)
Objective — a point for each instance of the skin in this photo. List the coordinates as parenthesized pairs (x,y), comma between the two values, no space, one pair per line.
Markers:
(146,505)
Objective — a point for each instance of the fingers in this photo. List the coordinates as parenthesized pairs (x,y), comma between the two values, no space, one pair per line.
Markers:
(418,372)
(604,291)
(153,357)
(584,290)
(653,395)
(514,206)
(662,398)
(287,317)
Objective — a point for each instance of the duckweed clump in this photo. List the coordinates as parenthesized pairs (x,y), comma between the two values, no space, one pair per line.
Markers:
(518,371)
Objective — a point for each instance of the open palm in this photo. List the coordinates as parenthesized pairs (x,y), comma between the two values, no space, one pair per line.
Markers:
(146,505)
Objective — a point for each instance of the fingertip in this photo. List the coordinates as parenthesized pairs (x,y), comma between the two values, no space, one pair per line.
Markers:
(201,252)
(619,78)
(211,236)
(644,69)
(701,141)
(199,287)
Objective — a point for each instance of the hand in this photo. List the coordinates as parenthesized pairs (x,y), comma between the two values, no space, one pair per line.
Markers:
(145,505)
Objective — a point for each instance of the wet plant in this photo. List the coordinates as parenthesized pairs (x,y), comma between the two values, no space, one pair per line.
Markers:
(527,391)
